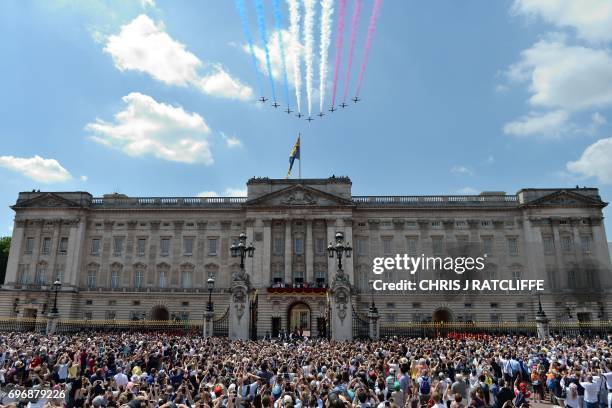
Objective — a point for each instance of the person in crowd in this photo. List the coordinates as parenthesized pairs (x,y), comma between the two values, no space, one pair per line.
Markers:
(173,370)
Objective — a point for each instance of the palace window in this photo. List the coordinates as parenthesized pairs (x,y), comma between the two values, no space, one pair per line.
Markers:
(92,275)
(24,272)
(163,277)
(110,315)
(60,275)
(212,247)
(412,246)
(118,246)
(188,246)
(95,246)
(485,223)
(320,277)
(320,246)
(87,315)
(487,245)
(571,278)
(141,246)
(495,317)
(115,278)
(436,224)
(387,241)
(46,247)
(186,279)
(586,241)
(138,278)
(516,274)
(298,277)
(29,247)
(278,246)
(437,247)
(549,245)
(41,274)
(63,245)
(165,247)
(512,246)
(566,243)
(461,224)
(278,275)
(362,246)
(299,246)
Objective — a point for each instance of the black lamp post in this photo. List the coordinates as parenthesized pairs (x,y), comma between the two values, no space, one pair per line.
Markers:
(373,307)
(211,285)
(339,249)
(241,249)
(56,287)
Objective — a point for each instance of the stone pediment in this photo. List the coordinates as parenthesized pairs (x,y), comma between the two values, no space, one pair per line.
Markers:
(299,196)
(46,200)
(564,198)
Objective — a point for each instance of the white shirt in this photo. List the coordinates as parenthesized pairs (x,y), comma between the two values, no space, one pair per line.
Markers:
(121,379)
(609,380)
(591,390)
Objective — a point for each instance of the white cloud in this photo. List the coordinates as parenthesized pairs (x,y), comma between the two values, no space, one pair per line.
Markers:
(147,127)
(549,124)
(563,76)
(84,178)
(36,168)
(231,141)
(236,192)
(461,170)
(229,192)
(144,46)
(208,194)
(275,55)
(468,191)
(592,19)
(147,3)
(595,161)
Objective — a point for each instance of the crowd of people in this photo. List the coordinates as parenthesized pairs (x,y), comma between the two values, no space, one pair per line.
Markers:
(159,370)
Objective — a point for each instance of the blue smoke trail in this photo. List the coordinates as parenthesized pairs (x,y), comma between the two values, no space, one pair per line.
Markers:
(278,20)
(242,12)
(261,20)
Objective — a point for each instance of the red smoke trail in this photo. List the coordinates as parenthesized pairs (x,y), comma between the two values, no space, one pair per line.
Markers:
(371,29)
(339,44)
(354,23)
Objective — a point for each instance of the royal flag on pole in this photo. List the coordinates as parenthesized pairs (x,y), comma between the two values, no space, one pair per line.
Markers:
(295,154)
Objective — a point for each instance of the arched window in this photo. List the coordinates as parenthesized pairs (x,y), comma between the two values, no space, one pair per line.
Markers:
(116,275)
(92,275)
(139,279)
(162,275)
(187,275)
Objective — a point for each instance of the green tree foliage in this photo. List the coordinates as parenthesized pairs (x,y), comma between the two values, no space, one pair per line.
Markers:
(5,244)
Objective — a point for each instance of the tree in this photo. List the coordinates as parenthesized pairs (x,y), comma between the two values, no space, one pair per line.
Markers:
(5,245)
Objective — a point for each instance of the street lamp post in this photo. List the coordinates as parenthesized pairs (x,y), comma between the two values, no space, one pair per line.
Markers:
(211,285)
(339,249)
(56,287)
(241,249)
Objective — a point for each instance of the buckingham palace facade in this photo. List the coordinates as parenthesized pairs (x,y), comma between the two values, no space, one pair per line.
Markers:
(122,257)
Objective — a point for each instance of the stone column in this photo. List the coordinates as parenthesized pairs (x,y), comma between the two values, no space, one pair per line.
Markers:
(73,257)
(15,251)
(374,331)
(341,308)
(55,241)
(288,252)
(561,272)
(309,247)
(207,328)
(240,308)
(600,252)
(267,252)
(542,323)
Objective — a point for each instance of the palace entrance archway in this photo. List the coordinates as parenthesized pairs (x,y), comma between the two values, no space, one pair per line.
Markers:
(299,318)
(160,313)
(442,315)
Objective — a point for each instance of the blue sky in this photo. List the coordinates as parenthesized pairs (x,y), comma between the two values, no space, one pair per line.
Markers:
(154,97)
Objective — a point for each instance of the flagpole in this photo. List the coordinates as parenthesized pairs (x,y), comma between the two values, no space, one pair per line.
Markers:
(300,167)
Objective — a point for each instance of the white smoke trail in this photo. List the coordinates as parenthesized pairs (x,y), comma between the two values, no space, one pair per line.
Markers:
(294,30)
(309,11)
(326,14)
